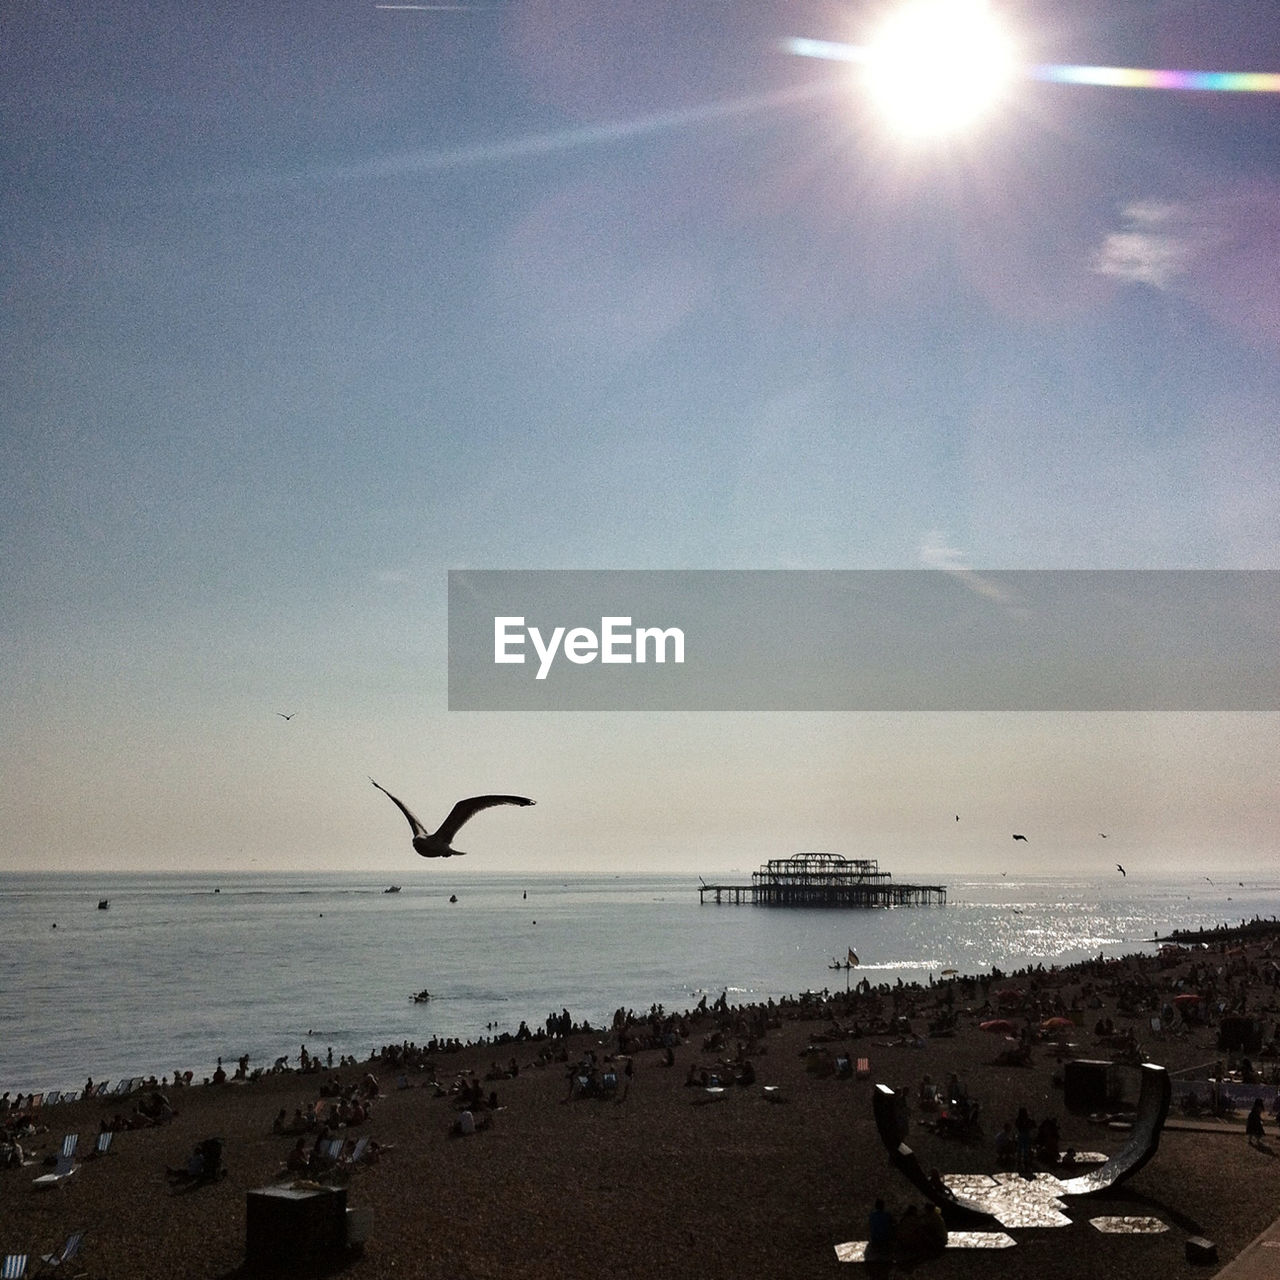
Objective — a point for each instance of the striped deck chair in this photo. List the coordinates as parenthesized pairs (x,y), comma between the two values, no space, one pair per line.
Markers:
(330,1151)
(35,1101)
(103,1145)
(356,1154)
(63,1168)
(14,1266)
(52,1098)
(52,1261)
(72,1095)
(863,1070)
(100,1089)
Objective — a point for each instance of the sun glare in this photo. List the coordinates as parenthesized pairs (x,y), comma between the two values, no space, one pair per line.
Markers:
(937,66)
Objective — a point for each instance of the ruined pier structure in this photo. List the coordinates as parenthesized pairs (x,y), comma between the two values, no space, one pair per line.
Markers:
(824,880)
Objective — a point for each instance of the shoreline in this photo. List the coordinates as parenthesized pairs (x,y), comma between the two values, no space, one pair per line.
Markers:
(1257,930)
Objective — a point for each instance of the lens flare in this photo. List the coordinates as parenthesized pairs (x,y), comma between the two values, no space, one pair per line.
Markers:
(1068,73)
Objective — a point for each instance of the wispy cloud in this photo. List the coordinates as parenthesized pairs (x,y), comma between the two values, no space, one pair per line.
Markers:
(1219,249)
(1156,246)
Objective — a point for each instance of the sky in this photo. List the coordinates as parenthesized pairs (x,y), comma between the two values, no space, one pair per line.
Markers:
(308,305)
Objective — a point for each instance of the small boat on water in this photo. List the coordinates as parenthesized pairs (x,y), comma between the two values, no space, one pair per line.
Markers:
(103,903)
(395,888)
(422,996)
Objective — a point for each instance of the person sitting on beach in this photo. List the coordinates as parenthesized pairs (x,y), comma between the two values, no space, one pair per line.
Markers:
(299,1159)
(192,1171)
(465,1125)
(910,1240)
(933,1230)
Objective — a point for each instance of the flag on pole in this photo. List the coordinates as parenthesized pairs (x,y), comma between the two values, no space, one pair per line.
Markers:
(853,959)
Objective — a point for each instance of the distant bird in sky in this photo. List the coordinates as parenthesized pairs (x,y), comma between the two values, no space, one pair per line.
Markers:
(1103,834)
(1122,871)
(1207,878)
(438,844)
(1018,837)
(290,716)
(957,817)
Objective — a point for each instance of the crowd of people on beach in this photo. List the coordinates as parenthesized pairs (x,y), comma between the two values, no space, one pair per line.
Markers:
(1177,989)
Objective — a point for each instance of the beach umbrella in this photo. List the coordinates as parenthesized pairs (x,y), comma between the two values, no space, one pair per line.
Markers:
(1057,1024)
(1187,998)
(996,1026)
(950,973)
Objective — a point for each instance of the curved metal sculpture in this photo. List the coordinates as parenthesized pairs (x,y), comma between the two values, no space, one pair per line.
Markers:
(1143,1141)
(1153,1108)
(956,1212)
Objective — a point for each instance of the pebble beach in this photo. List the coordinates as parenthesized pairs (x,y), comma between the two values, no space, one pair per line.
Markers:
(658,1176)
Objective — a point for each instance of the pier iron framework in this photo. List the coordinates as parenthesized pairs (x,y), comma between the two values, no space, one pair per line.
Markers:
(824,880)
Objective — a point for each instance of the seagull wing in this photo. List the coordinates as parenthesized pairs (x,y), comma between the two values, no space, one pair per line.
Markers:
(464,809)
(418,828)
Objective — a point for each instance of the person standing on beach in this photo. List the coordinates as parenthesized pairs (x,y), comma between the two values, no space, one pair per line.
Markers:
(1024,1128)
(1253,1125)
(881,1231)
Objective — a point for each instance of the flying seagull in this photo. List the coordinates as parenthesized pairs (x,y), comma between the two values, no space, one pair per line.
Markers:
(1122,871)
(290,716)
(1018,837)
(436,844)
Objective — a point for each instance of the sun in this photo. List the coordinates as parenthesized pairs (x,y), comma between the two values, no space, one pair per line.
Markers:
(935,67)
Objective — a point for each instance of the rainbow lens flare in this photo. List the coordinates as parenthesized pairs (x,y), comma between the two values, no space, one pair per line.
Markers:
(1065,73)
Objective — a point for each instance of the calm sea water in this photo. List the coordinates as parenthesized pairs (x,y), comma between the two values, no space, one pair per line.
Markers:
(183,968)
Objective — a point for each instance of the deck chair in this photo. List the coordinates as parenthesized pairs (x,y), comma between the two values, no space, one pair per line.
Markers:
(64,1166)
(14,1266)
(356,1154)
(103,1146)
(53,1097)
(329,1151)
(863,1071)
(100,1090)
(52,1261)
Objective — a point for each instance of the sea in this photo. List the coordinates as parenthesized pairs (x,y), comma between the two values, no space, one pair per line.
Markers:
(181,969)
